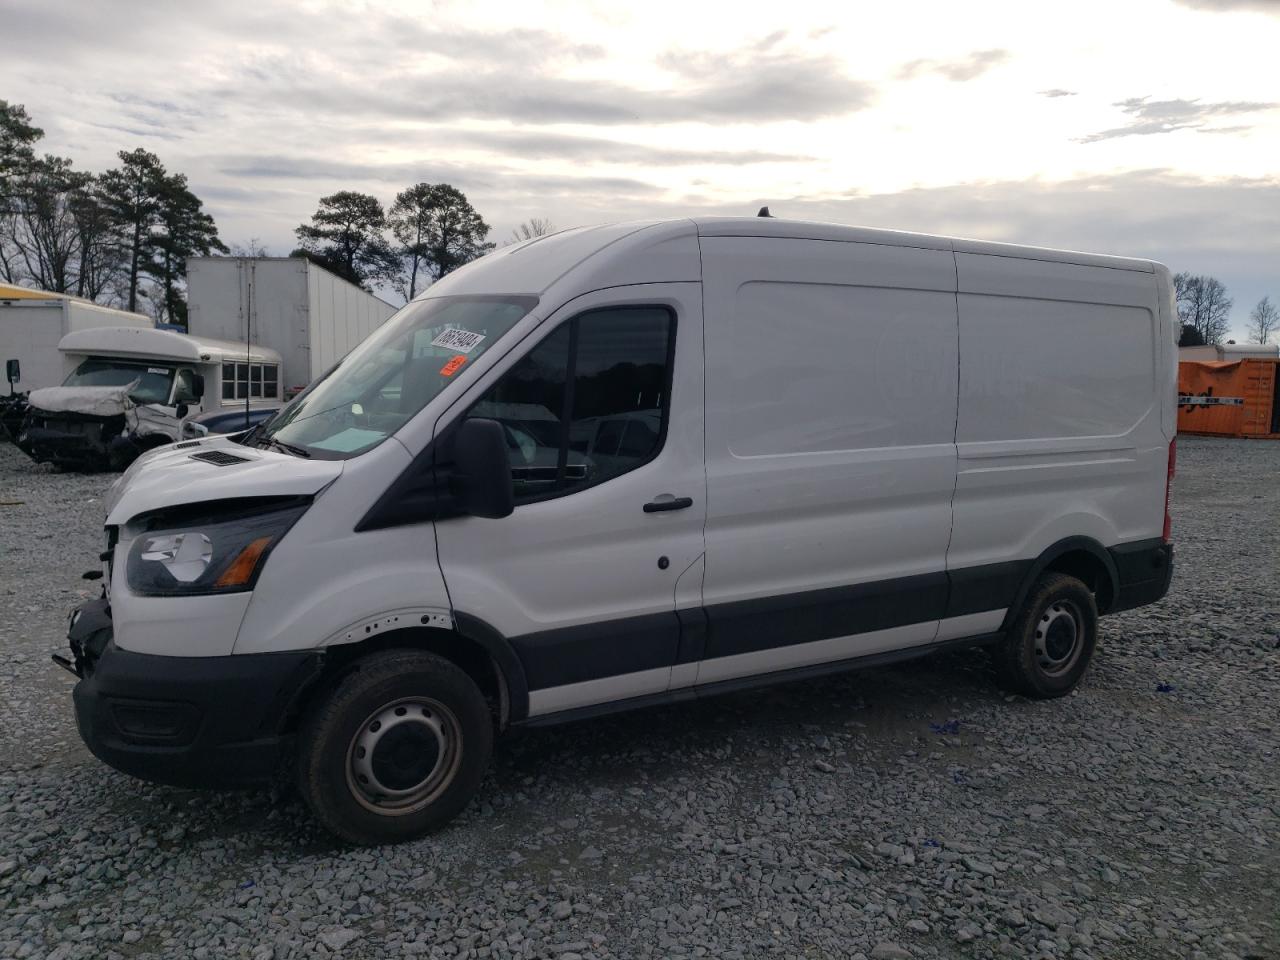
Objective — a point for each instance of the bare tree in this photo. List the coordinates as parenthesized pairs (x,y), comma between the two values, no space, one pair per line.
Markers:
(41,226)
(1264,320)
(253,248)
(1203,303)
(533,227)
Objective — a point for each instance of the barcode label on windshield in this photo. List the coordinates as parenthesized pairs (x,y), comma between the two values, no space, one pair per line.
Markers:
(463,341)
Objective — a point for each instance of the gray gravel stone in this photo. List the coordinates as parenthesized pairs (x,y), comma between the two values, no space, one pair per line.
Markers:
(1121,821)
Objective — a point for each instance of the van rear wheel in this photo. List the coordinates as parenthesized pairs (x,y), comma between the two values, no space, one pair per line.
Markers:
(397,749)
(1051,641)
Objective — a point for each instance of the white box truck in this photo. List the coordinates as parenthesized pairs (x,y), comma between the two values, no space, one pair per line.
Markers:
(629,465)
(32,322)
(260,329)
(309,316)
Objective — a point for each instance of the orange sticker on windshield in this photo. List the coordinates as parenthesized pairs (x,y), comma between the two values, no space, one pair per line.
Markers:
(452,367)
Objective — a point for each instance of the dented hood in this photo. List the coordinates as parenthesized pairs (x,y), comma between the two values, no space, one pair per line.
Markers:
(178,474)
(86,401)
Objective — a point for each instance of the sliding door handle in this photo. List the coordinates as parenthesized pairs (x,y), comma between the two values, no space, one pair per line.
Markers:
(669,503)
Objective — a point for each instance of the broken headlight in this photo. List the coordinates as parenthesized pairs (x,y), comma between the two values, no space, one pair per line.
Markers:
(223,554)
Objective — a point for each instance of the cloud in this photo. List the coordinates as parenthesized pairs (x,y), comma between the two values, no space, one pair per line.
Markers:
(493,179)
(1057,92)
(705,88)
(1166,116)
(757,85)
(1227,6)
(539,145)
(262,56)
(958,70)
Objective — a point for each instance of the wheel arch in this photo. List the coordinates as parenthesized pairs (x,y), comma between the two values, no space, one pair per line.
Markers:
(473,646)
(1081,557)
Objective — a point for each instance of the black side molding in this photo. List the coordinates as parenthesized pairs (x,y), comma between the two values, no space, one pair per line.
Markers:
(686,694)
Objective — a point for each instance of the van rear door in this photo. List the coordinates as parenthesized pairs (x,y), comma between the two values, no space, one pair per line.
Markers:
(831,410)
(602,410)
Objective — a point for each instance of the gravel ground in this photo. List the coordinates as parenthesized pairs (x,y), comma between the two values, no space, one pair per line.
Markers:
(902,812)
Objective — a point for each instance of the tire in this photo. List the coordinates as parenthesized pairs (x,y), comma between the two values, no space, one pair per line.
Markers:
(396,750)
(1051,641)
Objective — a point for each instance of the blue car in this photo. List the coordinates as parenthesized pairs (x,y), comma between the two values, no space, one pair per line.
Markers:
(233,420)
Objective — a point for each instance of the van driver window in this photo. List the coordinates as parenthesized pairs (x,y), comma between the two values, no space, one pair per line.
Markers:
(618,364)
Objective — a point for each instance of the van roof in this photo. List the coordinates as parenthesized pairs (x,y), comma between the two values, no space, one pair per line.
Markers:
(816,230)
(161,344)
(646,250)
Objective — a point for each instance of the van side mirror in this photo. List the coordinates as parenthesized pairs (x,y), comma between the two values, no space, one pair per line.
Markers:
(482,469)
(13,370)
(197,385)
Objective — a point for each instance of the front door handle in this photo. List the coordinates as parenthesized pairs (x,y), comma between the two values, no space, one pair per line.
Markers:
(672,503)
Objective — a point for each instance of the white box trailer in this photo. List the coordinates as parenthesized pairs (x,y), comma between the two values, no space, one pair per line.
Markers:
(311,317)
(32,322)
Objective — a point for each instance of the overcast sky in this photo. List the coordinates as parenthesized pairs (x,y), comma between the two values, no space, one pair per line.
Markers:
(1144,127)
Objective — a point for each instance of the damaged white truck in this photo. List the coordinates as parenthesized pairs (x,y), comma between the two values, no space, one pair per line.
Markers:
(129,390)
(261,329)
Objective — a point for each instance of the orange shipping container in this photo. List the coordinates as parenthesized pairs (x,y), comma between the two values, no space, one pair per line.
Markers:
(1239,398)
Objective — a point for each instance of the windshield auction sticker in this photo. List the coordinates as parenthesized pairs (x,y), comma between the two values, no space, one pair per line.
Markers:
(463,341)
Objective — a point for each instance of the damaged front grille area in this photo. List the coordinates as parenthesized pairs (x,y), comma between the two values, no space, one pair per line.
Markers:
(69,440)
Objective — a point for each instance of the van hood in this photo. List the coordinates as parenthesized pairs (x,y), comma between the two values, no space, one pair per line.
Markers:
(87,401)
(179,474)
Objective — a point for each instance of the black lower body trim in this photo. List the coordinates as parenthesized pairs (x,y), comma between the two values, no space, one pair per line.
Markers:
(992,586)
(747,626)
(595,650)
(191,721)
(811,672)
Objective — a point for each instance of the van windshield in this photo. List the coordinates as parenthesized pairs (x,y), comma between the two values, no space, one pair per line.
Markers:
(153,381)
(393,374)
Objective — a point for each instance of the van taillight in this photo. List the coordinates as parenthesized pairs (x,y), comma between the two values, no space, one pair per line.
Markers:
(1168,485)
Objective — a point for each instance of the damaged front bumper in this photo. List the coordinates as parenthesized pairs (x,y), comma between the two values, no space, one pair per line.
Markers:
(77,441)
(184,721)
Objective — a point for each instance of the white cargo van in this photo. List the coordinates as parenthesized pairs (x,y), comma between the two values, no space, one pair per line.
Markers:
(627,465)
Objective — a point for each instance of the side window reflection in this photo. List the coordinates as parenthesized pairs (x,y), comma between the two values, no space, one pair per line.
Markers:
(588,403)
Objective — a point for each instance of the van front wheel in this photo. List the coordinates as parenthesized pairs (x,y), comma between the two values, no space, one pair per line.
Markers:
(1051,641)
(397,749)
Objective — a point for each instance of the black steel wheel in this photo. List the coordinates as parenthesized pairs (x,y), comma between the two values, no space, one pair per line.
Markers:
(1051,640)
(396,749)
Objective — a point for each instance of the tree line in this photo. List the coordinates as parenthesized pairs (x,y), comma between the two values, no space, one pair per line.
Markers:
(429,231)
(116,237)
(1204,310)
(122,237)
